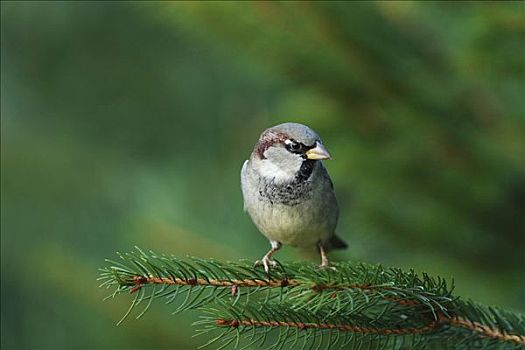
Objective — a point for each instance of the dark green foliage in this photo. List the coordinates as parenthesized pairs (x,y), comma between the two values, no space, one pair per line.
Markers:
(353,305)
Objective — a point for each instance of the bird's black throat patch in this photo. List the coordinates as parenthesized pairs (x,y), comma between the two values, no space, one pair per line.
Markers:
(305,170)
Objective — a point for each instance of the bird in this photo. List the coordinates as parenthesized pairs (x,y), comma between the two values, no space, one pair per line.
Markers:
(288,193)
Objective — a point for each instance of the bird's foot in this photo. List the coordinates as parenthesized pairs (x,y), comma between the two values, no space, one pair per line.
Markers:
(267,262)
(327,267)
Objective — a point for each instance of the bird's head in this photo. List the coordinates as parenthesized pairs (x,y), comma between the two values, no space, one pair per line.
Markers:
(282,150)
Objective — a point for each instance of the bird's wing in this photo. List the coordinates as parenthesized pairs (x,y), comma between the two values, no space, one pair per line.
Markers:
(334,242)
(243,180)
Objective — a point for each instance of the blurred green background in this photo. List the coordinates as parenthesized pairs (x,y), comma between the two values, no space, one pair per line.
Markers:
(127,124)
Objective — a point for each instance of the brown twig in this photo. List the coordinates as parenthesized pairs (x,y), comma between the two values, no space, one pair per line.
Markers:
(340,327)
(142,280)
(430,327)
(485,330)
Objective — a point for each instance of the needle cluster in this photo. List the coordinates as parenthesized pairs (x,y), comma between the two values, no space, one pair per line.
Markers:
(298,305)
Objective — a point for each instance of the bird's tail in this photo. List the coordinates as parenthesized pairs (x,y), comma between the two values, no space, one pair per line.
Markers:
(335,242)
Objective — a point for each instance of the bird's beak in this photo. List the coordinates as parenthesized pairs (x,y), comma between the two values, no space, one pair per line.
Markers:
(318,152)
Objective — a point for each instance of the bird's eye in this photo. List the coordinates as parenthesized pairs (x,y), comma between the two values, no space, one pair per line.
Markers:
(293,146)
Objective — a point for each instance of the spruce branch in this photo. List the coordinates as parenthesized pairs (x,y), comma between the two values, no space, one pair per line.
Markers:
(298,304)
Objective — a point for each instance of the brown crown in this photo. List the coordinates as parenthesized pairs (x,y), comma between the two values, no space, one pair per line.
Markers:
(267,140)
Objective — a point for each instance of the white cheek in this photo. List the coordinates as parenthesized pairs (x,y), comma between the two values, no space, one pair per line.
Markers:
(270,170)
(279,165)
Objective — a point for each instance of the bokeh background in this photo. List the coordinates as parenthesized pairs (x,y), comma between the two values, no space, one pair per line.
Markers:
(126,124)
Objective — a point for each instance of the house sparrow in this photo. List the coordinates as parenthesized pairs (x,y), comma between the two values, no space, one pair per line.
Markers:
(288,192)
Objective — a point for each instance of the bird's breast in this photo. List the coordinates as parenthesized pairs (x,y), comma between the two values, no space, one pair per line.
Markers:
(295,213)
(288,194)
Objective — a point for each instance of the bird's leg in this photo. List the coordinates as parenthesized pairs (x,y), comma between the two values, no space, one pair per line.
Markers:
(267,261)
(324,257)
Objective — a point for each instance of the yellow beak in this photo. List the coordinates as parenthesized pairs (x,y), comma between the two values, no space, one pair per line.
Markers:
(318,152)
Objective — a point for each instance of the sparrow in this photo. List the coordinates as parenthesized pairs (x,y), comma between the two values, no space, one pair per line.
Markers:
(288,193)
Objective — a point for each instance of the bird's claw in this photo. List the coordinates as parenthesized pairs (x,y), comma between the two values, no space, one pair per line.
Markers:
(267,263)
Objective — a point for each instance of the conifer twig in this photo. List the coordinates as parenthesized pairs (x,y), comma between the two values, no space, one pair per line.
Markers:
(301,305)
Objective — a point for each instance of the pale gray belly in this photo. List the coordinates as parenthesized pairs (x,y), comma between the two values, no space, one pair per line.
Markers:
(301,225)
